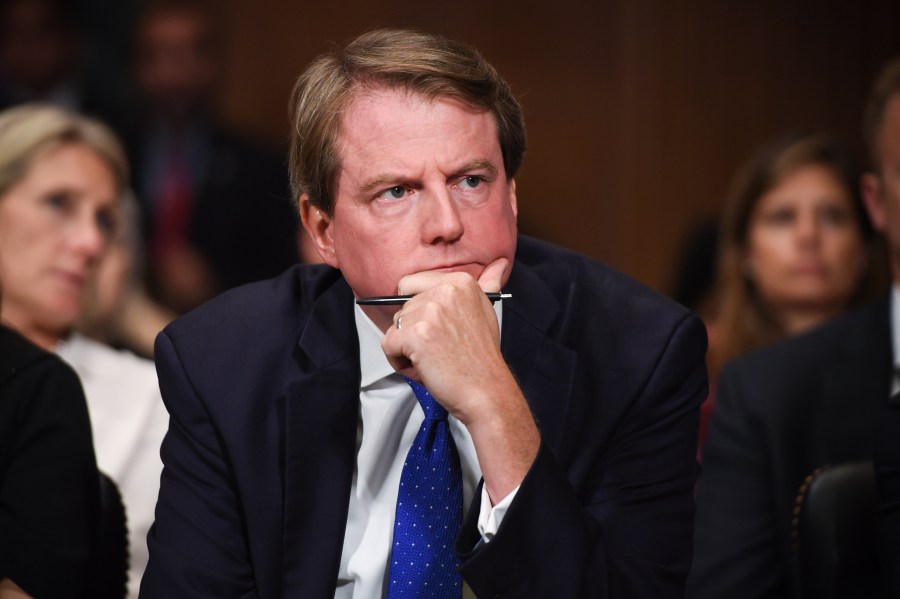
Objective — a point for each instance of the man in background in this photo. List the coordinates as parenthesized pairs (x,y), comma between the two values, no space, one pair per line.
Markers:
(215,205)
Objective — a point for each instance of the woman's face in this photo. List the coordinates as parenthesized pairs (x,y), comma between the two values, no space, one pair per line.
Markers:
(55,224)
(805,250)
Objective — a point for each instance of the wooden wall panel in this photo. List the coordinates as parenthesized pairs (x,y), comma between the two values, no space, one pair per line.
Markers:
(639,111)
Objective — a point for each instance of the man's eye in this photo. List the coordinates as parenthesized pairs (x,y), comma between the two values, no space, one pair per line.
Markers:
(394,193)
(471,182)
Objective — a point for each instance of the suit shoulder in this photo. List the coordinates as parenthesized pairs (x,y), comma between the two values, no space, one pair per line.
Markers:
(814,348)
(18,355)
(287,296)
(574,277)
(800,362)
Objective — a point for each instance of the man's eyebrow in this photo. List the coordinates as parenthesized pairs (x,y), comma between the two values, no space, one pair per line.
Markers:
(380,181)
(478,165)
(385,180)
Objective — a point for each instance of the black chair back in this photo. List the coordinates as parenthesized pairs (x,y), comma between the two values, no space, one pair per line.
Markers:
(834,533)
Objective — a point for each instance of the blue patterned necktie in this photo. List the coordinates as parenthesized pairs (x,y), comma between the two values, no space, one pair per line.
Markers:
(429,511)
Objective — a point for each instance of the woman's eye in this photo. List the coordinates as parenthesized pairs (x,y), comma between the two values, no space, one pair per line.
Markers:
(780,217)
(471,182)
(394,193)
(58,200)
(834,215)
(107,222)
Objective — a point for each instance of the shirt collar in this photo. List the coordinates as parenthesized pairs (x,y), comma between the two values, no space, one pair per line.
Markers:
(373,364)
(895,323)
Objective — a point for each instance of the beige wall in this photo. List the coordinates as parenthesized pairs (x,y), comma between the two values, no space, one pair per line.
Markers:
(638,111)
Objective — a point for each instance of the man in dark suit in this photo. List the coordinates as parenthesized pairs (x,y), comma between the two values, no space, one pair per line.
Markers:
(885,192)
(804,403)
(575,419)
(214,203)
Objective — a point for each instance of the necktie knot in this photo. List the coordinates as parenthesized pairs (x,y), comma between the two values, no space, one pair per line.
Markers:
(433,410)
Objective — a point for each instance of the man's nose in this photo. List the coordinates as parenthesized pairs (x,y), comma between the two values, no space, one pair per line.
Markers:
(441,221)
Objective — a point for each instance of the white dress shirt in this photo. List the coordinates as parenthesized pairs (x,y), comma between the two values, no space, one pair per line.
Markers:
(390,417)
(128,420)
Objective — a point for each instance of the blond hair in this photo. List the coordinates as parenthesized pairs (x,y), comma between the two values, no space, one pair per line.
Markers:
(29,130)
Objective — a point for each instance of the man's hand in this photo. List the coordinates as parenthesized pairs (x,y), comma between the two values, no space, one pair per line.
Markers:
(449,339)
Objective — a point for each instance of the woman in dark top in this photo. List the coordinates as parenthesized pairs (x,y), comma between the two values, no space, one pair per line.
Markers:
(49,493)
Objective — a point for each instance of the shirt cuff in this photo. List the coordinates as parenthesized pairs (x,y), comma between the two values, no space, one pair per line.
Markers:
(489,518)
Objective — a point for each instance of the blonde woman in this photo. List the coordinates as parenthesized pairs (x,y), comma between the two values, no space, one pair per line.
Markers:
(62,179)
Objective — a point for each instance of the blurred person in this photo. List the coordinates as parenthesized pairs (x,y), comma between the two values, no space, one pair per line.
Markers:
(800,404)
(41,59)
(49,492)
(39,49)
(215,204)
(882,188)
(694,283)
(118,311)
(695,287)
(797,249)
(62,177)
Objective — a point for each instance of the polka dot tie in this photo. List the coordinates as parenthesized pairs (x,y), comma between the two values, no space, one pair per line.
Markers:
(429,511)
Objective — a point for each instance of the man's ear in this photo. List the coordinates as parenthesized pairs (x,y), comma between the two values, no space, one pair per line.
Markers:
(318,227)
(512,198)
(873,197)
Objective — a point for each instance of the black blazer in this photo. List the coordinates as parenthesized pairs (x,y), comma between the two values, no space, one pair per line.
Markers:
(262,385)
(808,401)
(887,469)
(49,486)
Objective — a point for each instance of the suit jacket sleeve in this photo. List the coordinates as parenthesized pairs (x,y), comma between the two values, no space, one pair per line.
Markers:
(736,543)
(197,545)
(887,470)
(625,528)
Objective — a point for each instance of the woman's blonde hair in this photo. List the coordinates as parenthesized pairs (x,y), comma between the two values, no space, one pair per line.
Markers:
(29,130)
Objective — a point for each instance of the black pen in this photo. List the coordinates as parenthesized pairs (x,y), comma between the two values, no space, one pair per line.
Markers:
(396,300)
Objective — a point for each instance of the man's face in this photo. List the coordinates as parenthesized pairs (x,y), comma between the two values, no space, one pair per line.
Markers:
(176,68)
(37,48)
(882,189)
(421,187)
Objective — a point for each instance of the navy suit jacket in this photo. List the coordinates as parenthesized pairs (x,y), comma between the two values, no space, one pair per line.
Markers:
(262,385)
(805,402)
(887,469)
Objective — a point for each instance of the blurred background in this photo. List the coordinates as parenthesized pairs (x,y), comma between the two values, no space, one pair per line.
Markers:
(638,111)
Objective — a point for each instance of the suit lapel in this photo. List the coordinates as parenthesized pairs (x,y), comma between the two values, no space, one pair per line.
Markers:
(322,410)
(544,369)
(860,377)
(321,415)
